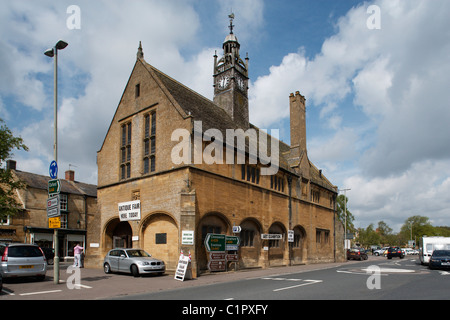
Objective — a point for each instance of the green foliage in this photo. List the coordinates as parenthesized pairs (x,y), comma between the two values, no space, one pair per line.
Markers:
(414,228)
(8,203)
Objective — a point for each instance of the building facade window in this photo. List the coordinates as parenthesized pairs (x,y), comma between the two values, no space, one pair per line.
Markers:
(63,202)
(250,173)
(277,183)
(125,151)
(247,237)
(149,142)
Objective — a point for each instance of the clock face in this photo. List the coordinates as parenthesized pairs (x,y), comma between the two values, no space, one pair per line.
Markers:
(240,83)
(223,82)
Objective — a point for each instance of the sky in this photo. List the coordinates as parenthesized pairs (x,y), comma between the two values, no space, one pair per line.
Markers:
(375,75)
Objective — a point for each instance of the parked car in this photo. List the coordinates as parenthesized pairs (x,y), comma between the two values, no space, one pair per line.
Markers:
(22,260)
(49,254)
(380,252)
(356,253)
(395,252)
(134,261)
(439,259)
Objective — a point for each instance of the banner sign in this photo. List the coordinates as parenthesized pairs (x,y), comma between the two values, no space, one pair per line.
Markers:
(130,210)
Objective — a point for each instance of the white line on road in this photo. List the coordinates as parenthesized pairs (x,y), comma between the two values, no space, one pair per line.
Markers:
(39,292)
(299,285)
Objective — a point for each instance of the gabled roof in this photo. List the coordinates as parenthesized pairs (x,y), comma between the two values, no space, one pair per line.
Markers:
(37,181)
(192,104)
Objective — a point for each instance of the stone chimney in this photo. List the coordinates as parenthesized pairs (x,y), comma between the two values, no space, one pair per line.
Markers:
(298,157)
(297,122)
(10,165)
(70,175)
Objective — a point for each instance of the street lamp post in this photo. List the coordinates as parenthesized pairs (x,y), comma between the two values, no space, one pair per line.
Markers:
(53,53)
(345,215)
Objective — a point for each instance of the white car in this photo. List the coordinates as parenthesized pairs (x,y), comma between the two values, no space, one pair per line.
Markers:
(380,252)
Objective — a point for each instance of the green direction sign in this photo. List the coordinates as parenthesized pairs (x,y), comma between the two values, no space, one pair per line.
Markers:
(215,242)
(232,242)
(54,187)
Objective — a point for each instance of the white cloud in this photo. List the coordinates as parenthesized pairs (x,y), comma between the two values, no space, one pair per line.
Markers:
(398,79)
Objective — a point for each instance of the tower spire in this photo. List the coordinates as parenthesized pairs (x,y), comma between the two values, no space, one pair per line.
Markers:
(140,53)
(231,26)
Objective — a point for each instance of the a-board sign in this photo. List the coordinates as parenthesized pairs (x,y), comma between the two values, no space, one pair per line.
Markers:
(182,267)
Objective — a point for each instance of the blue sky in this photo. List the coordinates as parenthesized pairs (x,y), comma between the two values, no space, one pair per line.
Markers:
(377,108)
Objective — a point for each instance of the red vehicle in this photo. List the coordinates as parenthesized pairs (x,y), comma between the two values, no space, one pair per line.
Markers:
(357,254)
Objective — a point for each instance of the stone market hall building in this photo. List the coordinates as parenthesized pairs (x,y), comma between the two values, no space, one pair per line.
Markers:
(160,198)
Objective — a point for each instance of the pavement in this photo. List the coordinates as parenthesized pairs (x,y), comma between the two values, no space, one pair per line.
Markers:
(95,284)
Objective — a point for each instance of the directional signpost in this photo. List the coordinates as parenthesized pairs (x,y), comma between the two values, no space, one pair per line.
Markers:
(218,246)
(53,207)
(53,170)
(54,187)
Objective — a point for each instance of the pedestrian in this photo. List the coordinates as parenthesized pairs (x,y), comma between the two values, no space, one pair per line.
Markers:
(77,250)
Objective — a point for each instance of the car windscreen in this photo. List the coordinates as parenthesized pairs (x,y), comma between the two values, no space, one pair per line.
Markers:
(137,253)
(24,252)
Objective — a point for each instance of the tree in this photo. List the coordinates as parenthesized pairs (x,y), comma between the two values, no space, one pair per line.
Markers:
(341,204)
(8,203)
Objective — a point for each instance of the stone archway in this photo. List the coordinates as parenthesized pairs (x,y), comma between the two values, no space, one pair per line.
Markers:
(277,248)
(213,222)
(250,247)
(298,247)
(118,234)
(160,238)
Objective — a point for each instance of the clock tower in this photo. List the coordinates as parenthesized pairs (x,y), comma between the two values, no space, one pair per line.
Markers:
(231,80)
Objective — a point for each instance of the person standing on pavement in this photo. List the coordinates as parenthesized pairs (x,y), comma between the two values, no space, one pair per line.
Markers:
(77,250)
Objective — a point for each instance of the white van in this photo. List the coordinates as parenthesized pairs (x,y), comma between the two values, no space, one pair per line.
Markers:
(429,244)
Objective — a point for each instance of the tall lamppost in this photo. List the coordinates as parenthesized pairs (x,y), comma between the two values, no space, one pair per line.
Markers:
(53,53)
(345,215)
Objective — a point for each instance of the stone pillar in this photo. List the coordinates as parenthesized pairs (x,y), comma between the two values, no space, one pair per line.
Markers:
(188,223)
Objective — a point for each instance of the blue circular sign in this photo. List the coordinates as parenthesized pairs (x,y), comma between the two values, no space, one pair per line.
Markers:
(53,170)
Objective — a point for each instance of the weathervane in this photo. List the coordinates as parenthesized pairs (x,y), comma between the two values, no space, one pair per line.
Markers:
(231,16)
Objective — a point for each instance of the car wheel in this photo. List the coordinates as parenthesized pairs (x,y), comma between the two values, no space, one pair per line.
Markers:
(134,271)
(107,268)
(389,257)
(377,254)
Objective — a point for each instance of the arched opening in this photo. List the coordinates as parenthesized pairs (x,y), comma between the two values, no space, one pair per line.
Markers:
(160,238)
(298,247)
(118,234)
(250,247)
(277,247)
(210,223)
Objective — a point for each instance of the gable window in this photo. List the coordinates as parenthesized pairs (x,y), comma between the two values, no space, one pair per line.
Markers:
(137,90)
(149,142)
(125,151)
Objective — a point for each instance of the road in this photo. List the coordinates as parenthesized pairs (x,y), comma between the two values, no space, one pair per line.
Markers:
(375,279)
(393,280)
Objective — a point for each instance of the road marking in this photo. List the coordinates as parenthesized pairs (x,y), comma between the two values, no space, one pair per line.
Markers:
(308,282)
(8,292)
(39,292)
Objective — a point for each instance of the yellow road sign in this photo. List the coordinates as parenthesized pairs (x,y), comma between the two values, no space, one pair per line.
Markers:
(54,223)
